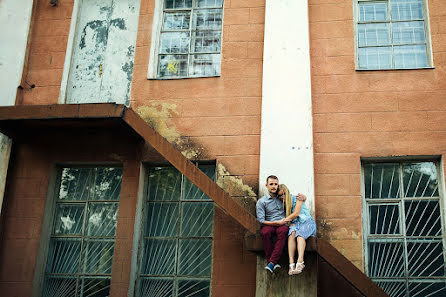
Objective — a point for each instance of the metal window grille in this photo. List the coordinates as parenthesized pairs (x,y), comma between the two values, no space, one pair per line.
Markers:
(403,228)
(82,239)
(392,34)
(190,38)
(177,242)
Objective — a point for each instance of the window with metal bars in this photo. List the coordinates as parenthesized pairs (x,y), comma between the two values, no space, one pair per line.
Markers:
(176,246)
(190,38)
(392,34)
(81,247)
(403,228)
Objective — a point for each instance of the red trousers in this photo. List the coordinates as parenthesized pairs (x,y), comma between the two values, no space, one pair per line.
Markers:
(274,252)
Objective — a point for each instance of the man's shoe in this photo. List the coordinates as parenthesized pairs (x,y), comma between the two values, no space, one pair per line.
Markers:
(270,267)
(277,266)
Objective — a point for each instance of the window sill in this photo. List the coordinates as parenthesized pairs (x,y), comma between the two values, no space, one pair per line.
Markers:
(397,69)
(187,77)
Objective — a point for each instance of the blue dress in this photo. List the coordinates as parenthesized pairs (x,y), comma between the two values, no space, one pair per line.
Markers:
(304,225)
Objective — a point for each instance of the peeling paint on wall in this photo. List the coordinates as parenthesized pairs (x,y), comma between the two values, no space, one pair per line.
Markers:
(103,52)
(156,115)
(234,186)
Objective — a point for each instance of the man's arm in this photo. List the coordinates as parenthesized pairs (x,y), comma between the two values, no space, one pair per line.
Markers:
(260,212)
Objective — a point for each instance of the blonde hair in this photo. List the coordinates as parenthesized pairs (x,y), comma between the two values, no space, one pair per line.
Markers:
(287,198)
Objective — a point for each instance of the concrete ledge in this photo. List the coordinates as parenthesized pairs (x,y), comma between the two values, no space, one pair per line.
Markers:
(253,243)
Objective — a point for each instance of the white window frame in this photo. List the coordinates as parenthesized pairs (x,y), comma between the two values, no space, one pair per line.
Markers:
(356,11)
(152,72)
(365,205)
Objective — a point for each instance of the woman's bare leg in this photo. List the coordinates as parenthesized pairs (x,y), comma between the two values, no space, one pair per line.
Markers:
(291,247)
(300,249)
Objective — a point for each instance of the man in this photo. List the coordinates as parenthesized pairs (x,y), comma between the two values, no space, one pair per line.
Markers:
(270,212)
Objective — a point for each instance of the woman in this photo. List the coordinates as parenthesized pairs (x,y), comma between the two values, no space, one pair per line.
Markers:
(302,226)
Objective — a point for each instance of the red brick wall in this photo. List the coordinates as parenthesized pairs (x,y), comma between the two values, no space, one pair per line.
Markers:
(366,113)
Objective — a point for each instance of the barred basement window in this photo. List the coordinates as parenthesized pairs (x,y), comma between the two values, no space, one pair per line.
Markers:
(392,34)
(190,38)
(403,228)
(177,240)
(83,234)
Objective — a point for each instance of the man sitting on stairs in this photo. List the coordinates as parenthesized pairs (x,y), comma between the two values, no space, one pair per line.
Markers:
(270,212)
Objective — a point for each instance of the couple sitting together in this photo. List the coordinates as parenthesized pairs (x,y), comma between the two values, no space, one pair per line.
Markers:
(282,214)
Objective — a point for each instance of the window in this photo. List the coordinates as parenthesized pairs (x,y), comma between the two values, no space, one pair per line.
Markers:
(177,240)
(190,38)
(392,34)
(80,255)
(403,228)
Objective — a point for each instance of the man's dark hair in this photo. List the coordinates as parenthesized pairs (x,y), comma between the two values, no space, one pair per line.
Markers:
(272,177)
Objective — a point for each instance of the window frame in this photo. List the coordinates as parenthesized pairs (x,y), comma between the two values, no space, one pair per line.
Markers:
(428,38)
(400,202)
(157,27)
(143,208)
(49,222)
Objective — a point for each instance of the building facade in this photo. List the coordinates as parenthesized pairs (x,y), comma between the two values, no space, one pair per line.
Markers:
(343,100)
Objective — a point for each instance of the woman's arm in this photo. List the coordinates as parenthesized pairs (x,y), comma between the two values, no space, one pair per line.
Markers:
(296,211)
(275,223)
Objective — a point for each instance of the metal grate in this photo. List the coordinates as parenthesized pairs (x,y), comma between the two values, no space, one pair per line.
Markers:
(403,232)
(177,242)
(82,243)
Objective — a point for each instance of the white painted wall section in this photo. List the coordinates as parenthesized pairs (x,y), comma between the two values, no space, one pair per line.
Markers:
(286,147)
(15,20)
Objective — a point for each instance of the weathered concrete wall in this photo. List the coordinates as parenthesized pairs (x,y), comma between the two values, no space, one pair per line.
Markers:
(15,19)
(366,113)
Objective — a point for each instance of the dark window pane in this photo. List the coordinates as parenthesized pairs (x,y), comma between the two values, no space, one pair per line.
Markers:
(159,257)
(162,219)
(381,181)
(425,257)
(384,219)
(95,287)
(393,288)
(64,255)
(195,257)
(197,219)
(98,256)
(423,218)
(386,258)
(427,288)
(156,287)
(59,286)
(193,288)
